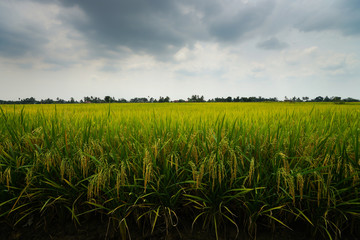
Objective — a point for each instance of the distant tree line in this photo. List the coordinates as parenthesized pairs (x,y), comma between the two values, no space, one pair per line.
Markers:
(334,99)
(193,98)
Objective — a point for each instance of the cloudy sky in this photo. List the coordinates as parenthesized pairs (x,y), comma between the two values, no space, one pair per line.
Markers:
(177,48)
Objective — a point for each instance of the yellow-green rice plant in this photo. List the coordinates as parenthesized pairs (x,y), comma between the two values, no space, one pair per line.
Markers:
(197,174)
(6,177)
(252,164)
(300,184)
(147,169)
(233,166)
(251,171)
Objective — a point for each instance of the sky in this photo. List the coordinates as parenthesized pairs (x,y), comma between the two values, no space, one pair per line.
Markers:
(179,48)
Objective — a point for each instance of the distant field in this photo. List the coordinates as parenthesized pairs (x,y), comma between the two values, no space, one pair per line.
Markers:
(160,166)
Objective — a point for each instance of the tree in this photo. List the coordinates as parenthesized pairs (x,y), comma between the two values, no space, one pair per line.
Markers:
(122,100)
(336,99)
(319,99)
(164,99)
(349,99)
(196,98)
(30,100)
(305,99)
(107,99)
(138,100)
(47,101)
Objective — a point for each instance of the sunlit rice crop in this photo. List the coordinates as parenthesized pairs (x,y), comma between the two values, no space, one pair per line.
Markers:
(213,164)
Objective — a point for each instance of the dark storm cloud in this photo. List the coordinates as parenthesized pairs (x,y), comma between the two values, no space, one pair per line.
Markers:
(17,44)
(156,27)
(246,20)
(343,16)
(16,41)
(272,44)
(162,27)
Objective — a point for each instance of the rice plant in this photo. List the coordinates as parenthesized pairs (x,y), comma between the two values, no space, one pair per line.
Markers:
(159,166)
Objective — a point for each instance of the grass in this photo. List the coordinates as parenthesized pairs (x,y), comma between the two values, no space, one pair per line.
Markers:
(248,165)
